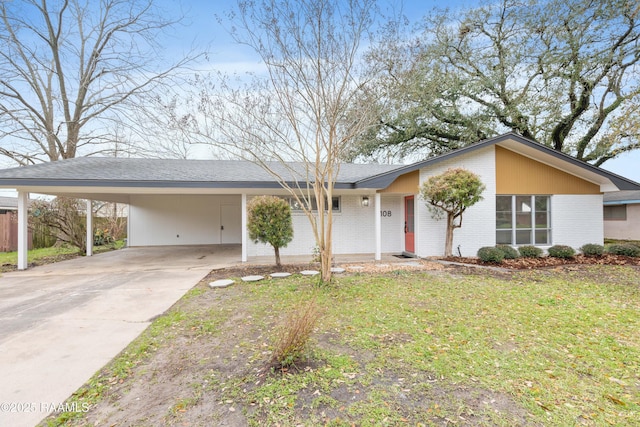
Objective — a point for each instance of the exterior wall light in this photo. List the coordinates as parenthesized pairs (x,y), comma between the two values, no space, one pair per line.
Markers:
(365,201)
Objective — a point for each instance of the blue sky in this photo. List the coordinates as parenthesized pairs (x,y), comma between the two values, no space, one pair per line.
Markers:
(203,29)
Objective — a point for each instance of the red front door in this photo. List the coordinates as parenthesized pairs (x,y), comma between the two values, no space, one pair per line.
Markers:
(409,236)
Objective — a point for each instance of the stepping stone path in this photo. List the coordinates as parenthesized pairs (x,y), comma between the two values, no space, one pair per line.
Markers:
(252,278)
(411,264)
(309,272)
(279,275)
(221,283)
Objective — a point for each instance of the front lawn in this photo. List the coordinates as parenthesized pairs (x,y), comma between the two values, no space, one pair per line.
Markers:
(555,347)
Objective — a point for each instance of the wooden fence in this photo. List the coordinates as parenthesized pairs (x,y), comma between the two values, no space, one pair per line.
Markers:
(9,232)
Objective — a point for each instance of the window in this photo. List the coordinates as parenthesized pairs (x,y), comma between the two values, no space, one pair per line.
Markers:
(296,207)
(615,213)
(523,220)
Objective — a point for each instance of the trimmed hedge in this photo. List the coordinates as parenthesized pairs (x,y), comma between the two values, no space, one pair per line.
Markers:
(628,249)
(530,251)
(592,249)
(490,254)
(508,251)
(561,251)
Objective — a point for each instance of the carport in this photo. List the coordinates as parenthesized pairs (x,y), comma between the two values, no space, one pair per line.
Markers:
(187,202)
(171,202)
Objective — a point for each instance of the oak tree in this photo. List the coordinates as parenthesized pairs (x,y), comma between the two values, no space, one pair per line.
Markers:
(564,73)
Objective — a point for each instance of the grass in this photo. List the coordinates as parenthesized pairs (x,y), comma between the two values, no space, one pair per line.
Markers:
(541,348)
(35,255)
(9,260)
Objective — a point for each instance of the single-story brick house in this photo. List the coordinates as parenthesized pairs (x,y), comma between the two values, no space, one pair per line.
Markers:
(622,215)
(534,195)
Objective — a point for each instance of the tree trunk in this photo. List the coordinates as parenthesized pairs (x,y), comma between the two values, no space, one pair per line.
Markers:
(325,265)
(448,243)
(277,251)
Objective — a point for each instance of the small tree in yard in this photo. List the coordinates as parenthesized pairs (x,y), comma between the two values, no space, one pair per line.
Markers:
(269,221)
(453,192)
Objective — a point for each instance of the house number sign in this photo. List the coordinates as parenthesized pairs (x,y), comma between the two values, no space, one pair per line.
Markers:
(385,214)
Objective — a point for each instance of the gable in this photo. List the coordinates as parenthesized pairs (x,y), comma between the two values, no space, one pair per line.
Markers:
(517,174)
(407,183)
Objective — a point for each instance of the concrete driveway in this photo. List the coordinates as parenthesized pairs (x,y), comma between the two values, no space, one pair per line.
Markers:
(61,323)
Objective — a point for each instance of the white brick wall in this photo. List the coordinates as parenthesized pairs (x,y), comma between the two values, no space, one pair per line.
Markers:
(478,221)
(576,219)
(353,229)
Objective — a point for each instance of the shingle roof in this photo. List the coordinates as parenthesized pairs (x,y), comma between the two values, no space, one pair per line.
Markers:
(8,202)
(621,197)
(176,173)
(131,172)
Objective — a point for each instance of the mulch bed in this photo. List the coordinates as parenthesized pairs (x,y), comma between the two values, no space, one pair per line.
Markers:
(543,262)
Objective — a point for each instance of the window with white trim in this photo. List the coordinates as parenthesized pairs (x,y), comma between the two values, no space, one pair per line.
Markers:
(523,220)
(296,207)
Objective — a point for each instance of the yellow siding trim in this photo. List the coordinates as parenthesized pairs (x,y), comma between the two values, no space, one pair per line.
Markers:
(407,183)
(517,174)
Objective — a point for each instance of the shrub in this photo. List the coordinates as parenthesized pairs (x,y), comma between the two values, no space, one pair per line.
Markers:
(592,249)
(269,221)
(628,249)
(508,251)
(561,251)
(490,254)
(530,251)
(292,338)
(102,237)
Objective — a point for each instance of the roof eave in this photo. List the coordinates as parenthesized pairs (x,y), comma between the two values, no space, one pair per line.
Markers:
(45,183)
(383,180)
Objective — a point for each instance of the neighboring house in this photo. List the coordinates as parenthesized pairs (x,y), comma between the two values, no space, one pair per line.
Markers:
(534,195)
(9,224)
(622,215)
(8,204)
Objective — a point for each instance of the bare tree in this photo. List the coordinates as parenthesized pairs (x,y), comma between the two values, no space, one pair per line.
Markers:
(61,216)
(70,72)
(293,119)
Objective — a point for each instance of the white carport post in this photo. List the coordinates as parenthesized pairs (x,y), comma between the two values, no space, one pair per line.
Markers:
(89,228)
(377,212)
(243,208)
(23,230)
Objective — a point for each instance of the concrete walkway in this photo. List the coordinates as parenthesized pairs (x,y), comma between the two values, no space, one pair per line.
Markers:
(61,323)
